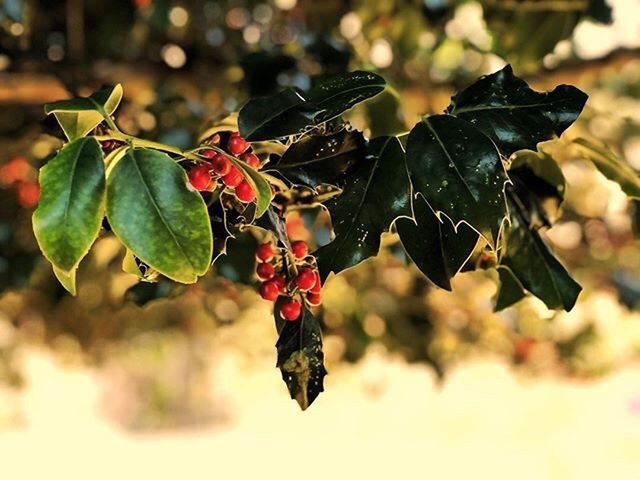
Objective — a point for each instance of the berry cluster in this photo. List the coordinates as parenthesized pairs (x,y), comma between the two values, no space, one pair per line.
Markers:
(19,173)
(297,278)
(204,176)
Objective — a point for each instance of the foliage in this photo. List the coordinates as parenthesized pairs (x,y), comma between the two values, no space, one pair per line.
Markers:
(462,195)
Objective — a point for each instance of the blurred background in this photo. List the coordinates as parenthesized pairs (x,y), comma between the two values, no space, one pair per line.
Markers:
(160,380)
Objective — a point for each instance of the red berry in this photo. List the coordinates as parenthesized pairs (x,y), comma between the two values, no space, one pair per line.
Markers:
(28,194)
(290,310)
(250,159)
(299,249)
(305,279)
(15,170)
(314,299)
(213,184)
(317,287)
(265,271)
(264,252)
(245,192)
(280,281)
(237,144)
(269,290)
(209,153)
(221,165)
(233,178)
(200,177)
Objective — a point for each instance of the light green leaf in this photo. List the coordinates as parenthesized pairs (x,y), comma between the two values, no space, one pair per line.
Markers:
(71,208)
(78,116)
(610,166)
(67,279)
(158,217)
(259,184)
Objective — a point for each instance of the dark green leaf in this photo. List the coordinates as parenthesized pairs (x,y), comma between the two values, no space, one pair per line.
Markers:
(510,291)
(78,116)
(300,357)
(459,172)
(538,184)
(610,166)
(600,11)
(280,115)
(433,245)
(513,115)
(338,94)
(70,211)
(317,159)
(238,264)
(161,220)
(535,266)
(377,194)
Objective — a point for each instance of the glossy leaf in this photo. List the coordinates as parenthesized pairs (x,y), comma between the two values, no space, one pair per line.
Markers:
(459,172)
(535,266)
(538,184)
(610,166)
(377,194)
(433,245)
(338,94)
(513,115)
(510,291)
(318,159)
(291,111)
(300,357)
(78,116)
(161,220)
(71,207)
(280,115)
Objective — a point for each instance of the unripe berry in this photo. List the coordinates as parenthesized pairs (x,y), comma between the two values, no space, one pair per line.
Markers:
(314,299)
(200,177)
(220,164)
(233,178)
(317,287)
(245,192)
(269,290)
(265,271)
(250,159)
(305,279)
(264,252)
(236,144)
(299,249)
(290,310)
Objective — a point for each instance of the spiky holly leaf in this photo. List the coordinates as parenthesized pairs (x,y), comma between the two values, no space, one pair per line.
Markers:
(71,208)
(291,111)
(538,184)
(78,116)
(377,193)
(318,159)
(513,115)
(300,356)
(534,265)
(458,170)
(280,115)
(434,245)
(338,94)
(157,216)
(510,291)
